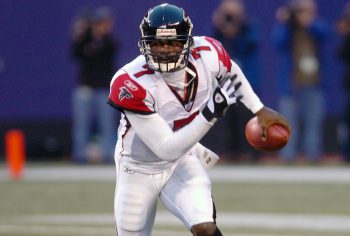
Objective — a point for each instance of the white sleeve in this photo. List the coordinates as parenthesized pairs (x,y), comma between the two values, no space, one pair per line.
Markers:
(250,99)
(162,140)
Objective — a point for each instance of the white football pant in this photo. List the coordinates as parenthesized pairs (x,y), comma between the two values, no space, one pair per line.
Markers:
(185,190)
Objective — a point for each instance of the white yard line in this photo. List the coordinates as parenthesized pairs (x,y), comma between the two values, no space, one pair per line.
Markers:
(308,222)
(54,230)
(67,224)
(281,174)
(93,231)
(218,173)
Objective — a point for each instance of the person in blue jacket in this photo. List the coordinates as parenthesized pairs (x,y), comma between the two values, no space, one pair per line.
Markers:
(343,29)
(241,38)
(299,36)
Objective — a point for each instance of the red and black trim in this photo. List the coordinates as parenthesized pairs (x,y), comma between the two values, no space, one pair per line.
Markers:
(122,109)
(146,71)
(223,55)
(178,124)
(127,94)
(190,91)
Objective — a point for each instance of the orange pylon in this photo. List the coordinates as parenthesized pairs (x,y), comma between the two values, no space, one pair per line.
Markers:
(15,152)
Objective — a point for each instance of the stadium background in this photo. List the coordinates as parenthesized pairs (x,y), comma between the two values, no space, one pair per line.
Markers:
(37,77)
(37,74)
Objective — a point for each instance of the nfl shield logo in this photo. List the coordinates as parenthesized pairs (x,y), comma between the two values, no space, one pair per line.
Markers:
(188,106)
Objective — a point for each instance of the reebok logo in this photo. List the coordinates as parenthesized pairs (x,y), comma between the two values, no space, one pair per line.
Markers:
(166,32)
(130,85)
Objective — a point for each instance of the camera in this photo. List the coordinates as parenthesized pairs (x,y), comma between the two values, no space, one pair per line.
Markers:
(292,19)
(229,18)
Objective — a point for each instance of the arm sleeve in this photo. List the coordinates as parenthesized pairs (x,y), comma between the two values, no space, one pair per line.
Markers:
(127,94)
(250,99)
(167,144)
(228,68)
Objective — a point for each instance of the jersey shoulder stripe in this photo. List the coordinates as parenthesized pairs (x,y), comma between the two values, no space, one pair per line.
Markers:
(127,94)
(223,55)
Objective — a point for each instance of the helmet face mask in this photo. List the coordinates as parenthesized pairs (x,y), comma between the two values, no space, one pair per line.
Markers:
(166,38)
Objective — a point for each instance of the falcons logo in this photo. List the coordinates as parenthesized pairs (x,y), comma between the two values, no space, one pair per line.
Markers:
(124,93)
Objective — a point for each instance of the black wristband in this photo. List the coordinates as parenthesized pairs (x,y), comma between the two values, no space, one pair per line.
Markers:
(208,115)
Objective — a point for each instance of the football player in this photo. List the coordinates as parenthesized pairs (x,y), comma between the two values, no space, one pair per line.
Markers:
(170,97)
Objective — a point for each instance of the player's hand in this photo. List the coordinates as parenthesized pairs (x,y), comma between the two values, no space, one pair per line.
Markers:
(224,96)
(267,117)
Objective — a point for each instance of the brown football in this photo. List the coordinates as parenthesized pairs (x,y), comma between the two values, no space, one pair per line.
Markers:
(277,136)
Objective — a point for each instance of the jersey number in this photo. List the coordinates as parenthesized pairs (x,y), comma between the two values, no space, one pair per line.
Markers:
(147,71)
(195,51)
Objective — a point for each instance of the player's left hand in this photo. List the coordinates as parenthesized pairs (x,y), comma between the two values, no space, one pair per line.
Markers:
(267,117)
(223,96)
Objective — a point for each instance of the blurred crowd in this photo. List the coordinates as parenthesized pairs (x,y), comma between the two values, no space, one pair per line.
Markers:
(94,122)
(298,36)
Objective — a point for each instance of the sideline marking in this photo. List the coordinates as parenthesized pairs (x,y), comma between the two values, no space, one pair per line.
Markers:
(308,222)
(93,231)
(219,173)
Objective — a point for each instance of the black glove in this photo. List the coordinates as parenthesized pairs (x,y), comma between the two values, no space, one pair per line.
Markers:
(223,96)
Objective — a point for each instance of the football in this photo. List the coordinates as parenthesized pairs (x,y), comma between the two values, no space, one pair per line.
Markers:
(277,136)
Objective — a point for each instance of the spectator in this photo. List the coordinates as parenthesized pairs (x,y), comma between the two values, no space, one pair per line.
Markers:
(343,28)
(241,38)
(94,49)
(298,36)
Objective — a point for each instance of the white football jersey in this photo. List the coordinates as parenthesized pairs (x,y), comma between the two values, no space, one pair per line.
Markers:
(140,90)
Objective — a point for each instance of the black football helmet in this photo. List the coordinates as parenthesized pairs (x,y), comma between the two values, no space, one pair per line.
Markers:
(166,22)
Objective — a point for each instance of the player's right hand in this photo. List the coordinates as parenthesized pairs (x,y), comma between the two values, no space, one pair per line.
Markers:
(224,96)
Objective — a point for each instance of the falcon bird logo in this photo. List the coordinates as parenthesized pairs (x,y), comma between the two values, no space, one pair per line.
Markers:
(124,93)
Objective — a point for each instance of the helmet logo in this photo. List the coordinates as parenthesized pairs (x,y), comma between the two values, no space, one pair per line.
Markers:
(166,32)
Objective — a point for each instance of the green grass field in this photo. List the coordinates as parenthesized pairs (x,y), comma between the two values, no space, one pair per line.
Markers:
(245,208)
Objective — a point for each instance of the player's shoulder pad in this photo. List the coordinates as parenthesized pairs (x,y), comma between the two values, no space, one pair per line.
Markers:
(223,56)
(127,94)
